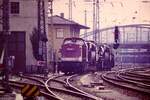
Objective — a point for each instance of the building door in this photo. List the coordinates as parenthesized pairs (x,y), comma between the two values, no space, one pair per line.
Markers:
(16,47)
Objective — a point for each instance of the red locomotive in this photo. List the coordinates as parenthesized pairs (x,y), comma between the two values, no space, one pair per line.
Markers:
(78,56)
(74,55)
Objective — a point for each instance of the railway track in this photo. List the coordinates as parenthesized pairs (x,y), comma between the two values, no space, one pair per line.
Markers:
(19,85)
(129,78)
(67,91)
(59,87)
(54,87)
(34,80)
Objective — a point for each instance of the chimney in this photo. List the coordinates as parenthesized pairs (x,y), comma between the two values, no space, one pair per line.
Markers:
(62,15)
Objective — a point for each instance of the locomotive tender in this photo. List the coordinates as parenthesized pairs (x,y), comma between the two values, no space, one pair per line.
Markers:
(78,56)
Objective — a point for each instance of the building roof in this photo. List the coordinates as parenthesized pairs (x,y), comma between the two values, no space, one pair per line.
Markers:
(58,20)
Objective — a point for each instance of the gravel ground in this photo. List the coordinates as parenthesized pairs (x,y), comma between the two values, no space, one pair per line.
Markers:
(110,92)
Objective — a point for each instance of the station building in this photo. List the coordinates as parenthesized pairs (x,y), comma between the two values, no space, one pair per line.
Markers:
(23,19)
(60,28)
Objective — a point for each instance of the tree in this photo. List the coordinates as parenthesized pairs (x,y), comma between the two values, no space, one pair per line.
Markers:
(35,43)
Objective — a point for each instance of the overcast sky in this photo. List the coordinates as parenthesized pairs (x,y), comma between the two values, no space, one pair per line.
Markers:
(112,12)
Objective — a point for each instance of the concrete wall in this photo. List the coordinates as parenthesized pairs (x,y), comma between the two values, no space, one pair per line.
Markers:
(26,20)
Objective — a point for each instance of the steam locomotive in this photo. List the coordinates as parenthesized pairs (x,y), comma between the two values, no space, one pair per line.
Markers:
(78,56)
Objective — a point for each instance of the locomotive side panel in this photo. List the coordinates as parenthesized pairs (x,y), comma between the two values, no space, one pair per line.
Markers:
(92,55)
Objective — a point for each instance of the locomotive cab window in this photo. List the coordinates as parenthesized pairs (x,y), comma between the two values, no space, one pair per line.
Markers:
(74,42)
(14,7)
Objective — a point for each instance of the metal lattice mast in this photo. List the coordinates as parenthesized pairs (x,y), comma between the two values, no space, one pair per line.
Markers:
(85,20)
(5,26)
(42,31)
(94,20)
(5,16)
(5,34)
(97,21)
(70,9)
(51,20)
(50,9)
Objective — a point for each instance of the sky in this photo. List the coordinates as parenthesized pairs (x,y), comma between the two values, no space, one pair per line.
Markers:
(112,12)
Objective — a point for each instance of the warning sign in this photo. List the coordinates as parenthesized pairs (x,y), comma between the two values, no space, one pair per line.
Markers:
(30,90)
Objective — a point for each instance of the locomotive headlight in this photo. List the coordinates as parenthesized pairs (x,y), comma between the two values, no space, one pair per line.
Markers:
(79,59)
(80,46)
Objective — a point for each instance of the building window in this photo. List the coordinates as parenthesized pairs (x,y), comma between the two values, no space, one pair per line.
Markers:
(14,7)
(59,33)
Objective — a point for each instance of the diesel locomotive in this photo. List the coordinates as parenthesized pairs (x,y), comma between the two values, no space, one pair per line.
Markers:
(78,56)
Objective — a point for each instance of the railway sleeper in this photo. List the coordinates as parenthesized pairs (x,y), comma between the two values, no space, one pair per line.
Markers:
(96,83)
